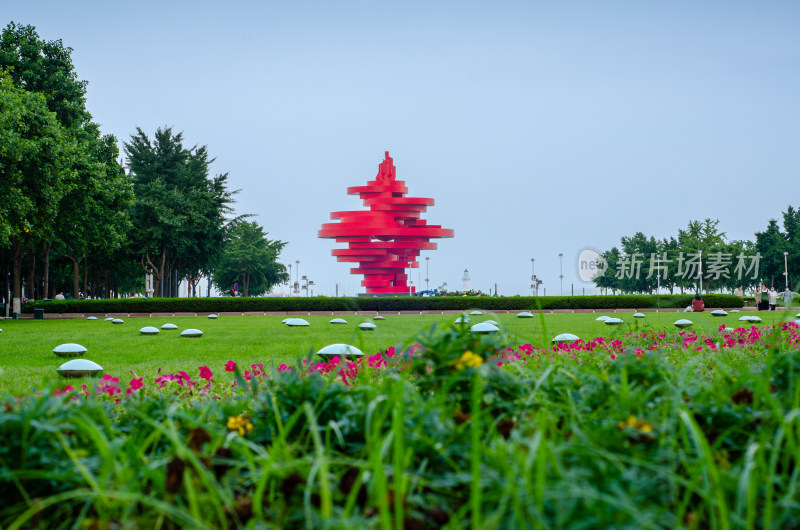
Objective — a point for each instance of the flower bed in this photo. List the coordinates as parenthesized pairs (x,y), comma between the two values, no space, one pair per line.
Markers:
(651,429)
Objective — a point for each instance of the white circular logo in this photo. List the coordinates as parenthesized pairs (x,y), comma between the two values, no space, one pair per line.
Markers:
(591,265)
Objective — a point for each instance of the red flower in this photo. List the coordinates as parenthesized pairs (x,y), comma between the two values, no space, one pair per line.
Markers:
(205,373)
(135,384)
(230,366)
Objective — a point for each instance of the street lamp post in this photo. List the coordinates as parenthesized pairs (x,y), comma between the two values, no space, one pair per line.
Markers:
(289,282)
(700,273)
(533,278)
(427,261)
(561,271)
(297,277)
(786,268)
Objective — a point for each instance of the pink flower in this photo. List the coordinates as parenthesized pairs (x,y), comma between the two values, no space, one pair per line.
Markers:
(230,366)
(135,384)
(205,373)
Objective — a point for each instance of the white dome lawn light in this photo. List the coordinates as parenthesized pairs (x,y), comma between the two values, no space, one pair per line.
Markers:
(750,318)
(169,326)
(602,318)
(339,350)
(213,316)
(797,315)
(109,319)
(149,330)
(69,349)
(378,317)
(484,328)
(338,321)
(79,368)
(492,322)
(476,312)
(297,323)
(638,315)
(462,320)
(614,321)
(117,321)
(191,333)
(735,311)
(525,314)
(91,318)
(567,338)
(367,326)
(683,323)
(719,313)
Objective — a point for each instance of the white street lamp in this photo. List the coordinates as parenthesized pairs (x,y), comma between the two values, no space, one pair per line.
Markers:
(786,268)
(561,271)
(427,261)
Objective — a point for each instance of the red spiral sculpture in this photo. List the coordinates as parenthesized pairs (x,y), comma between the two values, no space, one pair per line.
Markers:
(386,239)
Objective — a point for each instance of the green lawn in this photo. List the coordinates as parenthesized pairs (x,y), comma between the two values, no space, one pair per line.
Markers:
(27,361)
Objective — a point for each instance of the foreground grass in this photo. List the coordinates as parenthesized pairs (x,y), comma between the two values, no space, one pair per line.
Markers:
(462,433)
(27,361)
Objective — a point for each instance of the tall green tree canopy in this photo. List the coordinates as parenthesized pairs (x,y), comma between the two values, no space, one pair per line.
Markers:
(36,158)
(249,259)
(90,211)
(180,211)
(44,67)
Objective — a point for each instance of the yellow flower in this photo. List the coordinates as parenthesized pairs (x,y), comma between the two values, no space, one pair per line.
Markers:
(633,423)
(240,423)
(469,360)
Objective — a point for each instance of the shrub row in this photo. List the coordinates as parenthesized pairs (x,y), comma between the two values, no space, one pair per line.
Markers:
(229,304)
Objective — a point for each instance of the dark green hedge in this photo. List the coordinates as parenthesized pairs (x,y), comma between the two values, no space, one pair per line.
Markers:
(201,305)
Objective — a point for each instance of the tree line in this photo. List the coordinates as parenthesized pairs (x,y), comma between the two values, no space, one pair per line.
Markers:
(75,218)
(701,257)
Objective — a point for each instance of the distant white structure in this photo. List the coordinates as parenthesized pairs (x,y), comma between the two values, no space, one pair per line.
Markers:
(465,279)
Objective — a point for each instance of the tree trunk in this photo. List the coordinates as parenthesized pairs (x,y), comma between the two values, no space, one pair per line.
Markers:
(46,269)
(246,282)
(32,275)
(17,250)
(76,276)
(160,286)
(86,277)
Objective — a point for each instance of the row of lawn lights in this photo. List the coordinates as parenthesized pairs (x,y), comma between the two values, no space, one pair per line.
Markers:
(85,367)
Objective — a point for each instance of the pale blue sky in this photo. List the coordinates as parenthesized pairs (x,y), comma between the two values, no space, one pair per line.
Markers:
(538,127)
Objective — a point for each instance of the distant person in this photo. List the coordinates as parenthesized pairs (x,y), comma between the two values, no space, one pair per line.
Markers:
(60,296)
(698,306)
(739,291)
(772,295)
(762,297)
(788,296)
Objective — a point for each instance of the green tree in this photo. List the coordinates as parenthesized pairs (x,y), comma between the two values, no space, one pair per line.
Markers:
(180,212)
(699,241)
(44,67)
(36,158)
(94,215)
(771,244)
(791,228)
(94,194)
(249,259)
